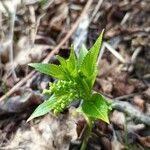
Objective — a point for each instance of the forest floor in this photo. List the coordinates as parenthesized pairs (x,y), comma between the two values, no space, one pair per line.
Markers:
(37,30)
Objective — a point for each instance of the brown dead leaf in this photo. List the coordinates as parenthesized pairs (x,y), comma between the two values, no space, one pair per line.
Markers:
(21,102)
(106,85)
(59,18)
(115,143)
(51,133)
(101,125)
(106,143)
(147,94)
(118,118)
(121,84)
(4,56)
(80,126)
(145,141)
(103,67)
(139,102)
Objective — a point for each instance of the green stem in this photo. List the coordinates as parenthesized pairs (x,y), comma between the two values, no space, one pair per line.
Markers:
(87,134)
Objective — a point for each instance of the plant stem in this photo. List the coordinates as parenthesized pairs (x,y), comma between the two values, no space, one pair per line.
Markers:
(87,134)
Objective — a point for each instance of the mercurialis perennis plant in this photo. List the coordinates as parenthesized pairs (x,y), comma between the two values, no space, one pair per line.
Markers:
(75,79)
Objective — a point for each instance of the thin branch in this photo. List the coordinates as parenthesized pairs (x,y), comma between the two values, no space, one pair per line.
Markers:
(114,52)
(131,111)
(134,57)
(12,24)
(12,14)
(98,5)
(126,96)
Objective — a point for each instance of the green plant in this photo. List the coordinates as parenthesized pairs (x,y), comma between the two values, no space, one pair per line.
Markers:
(76,77)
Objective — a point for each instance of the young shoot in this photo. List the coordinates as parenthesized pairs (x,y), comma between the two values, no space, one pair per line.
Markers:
(75,79)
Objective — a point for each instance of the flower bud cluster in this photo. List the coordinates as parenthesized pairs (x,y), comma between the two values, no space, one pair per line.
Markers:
(62,103)
(62,87)
(65,92)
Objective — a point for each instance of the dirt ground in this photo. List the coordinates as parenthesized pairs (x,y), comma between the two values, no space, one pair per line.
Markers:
(37,30)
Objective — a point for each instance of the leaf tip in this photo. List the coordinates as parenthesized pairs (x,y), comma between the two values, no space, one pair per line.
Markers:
(29,119)
(107,121)
(103,30)
(72,46)
(31,64)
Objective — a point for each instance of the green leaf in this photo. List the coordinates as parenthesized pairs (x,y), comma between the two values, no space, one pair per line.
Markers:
(62,61)
(63,65)
(91,79)
(82,54)
(43,108)
(96,107)
(71,61)
(50,69)
(88,65)
(69,66)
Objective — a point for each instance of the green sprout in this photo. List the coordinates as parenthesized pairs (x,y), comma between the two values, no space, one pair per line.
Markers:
(76,77)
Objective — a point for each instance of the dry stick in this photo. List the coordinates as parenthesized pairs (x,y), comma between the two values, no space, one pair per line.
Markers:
(12,26)
(33,20)
(114,52)
(98,5)
(11,14)
(54,51)
(131,111)
(134,57)
(126,96)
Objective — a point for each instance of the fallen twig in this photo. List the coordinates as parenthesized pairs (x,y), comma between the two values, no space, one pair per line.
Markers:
(54,51)
(12,14)
(98,5)
(126,96)
(114,52)
(134,57)
(131,111)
